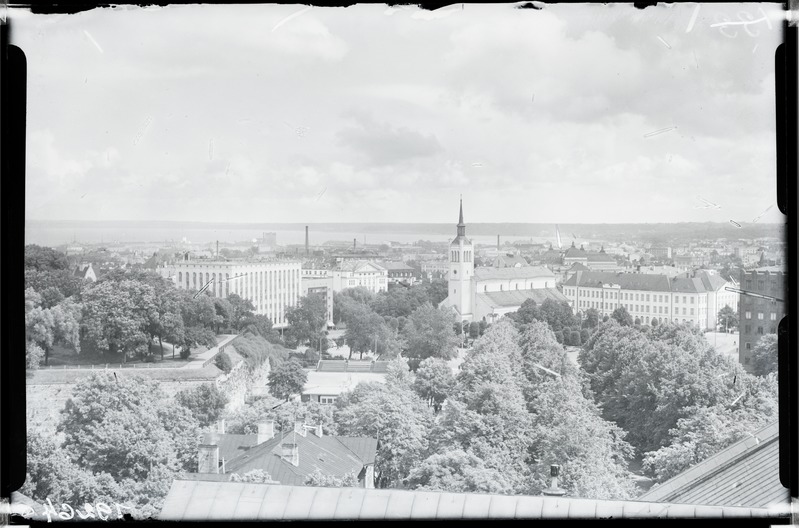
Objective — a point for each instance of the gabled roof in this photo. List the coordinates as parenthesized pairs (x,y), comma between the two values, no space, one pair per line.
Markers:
(396,266)
(504,299)
(524,272)
(358,266)
(510,261)
(202,501)
(628,281)
(230,445)
(745,474)
(327,453)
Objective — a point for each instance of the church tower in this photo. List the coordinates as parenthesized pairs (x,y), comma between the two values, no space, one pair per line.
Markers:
(461,270)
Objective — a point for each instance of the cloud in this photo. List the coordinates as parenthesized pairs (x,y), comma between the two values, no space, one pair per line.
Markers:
(383,144)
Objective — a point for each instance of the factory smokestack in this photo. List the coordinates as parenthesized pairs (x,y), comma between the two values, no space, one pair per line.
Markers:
(498,246)
(354,242)
(306,240)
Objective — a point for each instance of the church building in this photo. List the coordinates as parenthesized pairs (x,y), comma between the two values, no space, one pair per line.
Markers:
(488,293)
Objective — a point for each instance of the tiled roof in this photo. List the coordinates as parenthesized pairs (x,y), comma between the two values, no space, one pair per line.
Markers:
(202,501)
(358,265)
(524,272)
(396,266)
(579,267)
(628,281)
(745,474)
(327,453)
(230,445)
(512,260)
(364,447)
(503,299)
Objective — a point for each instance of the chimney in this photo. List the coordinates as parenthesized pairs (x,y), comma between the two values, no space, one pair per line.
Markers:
(266,431)
(208,459)
(290,453)
(554,490)
(306,240)
(220,426)
(299,428)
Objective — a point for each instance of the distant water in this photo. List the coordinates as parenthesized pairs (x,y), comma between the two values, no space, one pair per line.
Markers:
(53,235)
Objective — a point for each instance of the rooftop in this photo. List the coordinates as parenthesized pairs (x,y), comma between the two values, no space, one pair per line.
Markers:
(745,474)
(333,456)
(204,500)
(502,299)
(523,272)
(701,282)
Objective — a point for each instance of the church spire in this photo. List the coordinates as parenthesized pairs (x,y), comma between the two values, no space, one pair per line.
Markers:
(461,225)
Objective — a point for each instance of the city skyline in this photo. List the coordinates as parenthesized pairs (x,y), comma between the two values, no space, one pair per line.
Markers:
(291,114)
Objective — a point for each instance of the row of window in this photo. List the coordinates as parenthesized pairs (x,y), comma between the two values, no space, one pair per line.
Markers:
(761,284)
(748,330)
(635,296)
(760,316)
(639,308)
(455,256)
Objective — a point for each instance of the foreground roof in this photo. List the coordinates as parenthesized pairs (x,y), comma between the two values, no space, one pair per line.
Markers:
(744,474)
(203,500)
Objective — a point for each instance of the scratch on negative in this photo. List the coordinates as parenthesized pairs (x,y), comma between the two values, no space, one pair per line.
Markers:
(664,42)
(92,40)
(656,132)
(293,15)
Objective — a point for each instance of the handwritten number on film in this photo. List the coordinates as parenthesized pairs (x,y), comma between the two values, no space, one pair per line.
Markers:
(746,20)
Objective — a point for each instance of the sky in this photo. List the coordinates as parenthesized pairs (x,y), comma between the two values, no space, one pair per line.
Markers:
(287,113)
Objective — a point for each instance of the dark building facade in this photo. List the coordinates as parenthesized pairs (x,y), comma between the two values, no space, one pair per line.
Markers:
(758,316)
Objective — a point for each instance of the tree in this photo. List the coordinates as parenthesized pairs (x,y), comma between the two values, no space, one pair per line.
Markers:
(474,330)
(363,327)
(256,476)
(241,310)
(457,471)
(433,382)
(558,315)
(728,318)
(46,327)
(116,316)
(622,316)
(708,430)
(574,339)
(429,333)
(125,426)
(287,379)
(437,291)
(528,312)
(41,258)
(764,355)
(51,475)
(260,325)
(308,319)
(205,402)
(591,319)
(317,478)
(223,362)
(396,417)
(647,382)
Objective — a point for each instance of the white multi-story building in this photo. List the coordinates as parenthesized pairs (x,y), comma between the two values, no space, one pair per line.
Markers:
(694,297)
(354,274)
(271,286)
